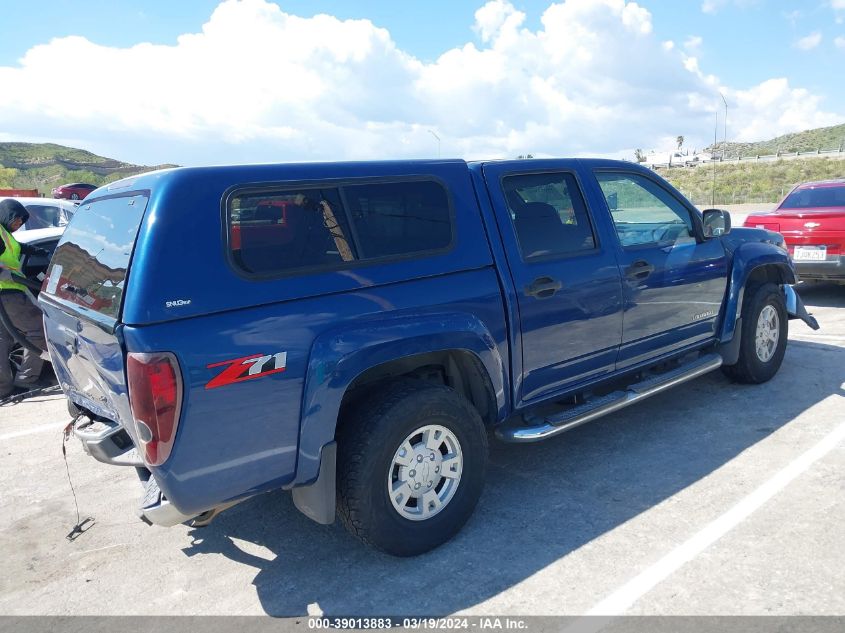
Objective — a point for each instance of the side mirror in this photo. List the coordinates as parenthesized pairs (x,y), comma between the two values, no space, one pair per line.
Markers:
(716,222)
(613,201)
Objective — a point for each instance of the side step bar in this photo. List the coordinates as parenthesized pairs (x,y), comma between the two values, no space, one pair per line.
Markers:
(597,407)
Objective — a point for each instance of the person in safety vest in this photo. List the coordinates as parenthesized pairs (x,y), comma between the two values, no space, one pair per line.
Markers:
(21,310)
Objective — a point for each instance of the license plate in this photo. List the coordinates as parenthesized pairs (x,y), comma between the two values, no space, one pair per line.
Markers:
(810,253)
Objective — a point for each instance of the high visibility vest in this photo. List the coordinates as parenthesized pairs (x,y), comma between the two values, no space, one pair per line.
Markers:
(10,260)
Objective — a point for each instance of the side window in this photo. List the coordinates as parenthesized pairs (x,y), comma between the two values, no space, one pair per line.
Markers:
(282,231)
(399,218)
(644,212)
(549,214)
(285,230)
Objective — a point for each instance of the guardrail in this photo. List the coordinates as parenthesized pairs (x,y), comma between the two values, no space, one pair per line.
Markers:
(818,153)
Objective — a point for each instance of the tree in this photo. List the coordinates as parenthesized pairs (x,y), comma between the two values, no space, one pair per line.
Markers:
(680,141)
(639,156)
(7,177)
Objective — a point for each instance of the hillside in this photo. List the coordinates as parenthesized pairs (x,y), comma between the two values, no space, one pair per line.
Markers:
(738,183)
(807,141)
(43,166)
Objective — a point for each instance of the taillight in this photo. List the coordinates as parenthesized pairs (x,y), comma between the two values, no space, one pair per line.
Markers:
(155,397)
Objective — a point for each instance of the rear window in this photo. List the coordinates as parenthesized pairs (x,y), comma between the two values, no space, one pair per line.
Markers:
(281,231)
(89,265)
(816,197)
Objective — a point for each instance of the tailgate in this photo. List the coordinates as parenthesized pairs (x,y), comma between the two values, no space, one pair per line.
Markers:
(82,301)
(88,361)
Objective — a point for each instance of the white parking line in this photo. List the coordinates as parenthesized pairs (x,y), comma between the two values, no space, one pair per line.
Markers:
(806,336)
(621,600)
(55,426)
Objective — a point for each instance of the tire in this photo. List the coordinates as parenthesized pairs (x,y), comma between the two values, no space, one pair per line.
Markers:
(764,322)
(379,444)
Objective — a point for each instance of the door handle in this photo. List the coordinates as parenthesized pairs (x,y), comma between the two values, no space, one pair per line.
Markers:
(543,287)
(640,269)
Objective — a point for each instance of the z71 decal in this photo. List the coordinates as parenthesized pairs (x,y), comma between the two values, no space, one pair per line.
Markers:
(247,368)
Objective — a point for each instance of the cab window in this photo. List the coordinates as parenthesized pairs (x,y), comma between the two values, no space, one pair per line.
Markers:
(642,211)
(549,215)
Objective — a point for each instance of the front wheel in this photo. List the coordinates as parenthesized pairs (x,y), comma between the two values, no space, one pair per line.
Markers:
(411,467)
(764,333)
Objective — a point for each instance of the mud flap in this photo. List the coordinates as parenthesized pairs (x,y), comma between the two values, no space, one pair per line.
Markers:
(317,501)
(730,351)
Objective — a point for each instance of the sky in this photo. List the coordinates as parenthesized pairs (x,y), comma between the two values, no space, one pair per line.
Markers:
(199,82)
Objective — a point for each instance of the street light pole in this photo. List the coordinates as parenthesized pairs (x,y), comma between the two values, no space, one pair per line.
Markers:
(725,142)
(438,142)
(715,132)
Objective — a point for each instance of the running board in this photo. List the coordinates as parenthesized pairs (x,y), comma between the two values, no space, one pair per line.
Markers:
(597,407)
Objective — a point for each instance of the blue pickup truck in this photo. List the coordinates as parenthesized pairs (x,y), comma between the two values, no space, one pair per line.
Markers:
(354,332)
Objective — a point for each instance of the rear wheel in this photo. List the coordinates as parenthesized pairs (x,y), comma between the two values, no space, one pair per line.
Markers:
(764,333)
(411,466)
(74,196)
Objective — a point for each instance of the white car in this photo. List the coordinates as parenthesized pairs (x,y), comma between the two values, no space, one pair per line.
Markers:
(46,213)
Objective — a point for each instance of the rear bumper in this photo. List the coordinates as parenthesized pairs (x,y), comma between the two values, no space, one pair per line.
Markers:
(106,441)
(832,268)
(154,509)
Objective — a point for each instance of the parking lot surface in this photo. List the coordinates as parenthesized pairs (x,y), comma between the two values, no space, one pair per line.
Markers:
(712,498)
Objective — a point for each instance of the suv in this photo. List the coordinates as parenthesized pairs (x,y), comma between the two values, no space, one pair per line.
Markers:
(353,331)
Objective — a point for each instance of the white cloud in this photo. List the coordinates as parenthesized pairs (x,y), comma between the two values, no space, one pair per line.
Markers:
(713,6)
(773,108)
(693,44)
(497,18)
(840,42)
(258,84)
(793,16)
(809,42)
(837,5)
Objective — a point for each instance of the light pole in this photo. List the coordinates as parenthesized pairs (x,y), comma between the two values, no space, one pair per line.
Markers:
(712,158)
(438,142)
(725,142)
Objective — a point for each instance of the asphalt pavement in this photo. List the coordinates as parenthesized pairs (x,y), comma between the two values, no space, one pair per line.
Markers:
(712,498)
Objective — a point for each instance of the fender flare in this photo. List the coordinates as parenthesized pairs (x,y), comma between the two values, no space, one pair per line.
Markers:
(748,258)
(338,357)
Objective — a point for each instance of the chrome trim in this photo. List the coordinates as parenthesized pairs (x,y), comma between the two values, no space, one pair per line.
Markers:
(633,394)
(97,438)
